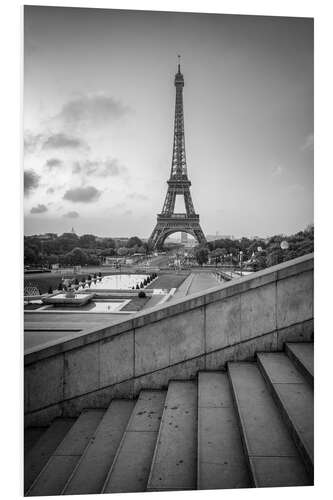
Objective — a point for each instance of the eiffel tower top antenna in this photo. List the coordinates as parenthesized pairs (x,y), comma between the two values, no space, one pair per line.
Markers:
(178,63)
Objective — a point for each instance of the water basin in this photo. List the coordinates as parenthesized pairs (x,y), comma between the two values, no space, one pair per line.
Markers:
(103,306)
(118,282)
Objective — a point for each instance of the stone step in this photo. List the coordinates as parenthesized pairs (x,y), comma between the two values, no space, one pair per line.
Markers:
(90,473)
(130,469)
(175,458)
(294,395)
(43,449)
(52,478)
(301,353)
(31,436)
(272,454)
(221,459)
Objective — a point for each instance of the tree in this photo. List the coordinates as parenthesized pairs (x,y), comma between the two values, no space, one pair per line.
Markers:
(134,241)
(122,251)
(93,260)
(108,252)
(30,256)
(132,250)
(259,261)
(201,255)
(67,242)
(88,241)
(108,243)
(274,256)
(76,257)
(52,259)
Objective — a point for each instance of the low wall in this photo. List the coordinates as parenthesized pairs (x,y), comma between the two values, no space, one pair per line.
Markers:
(201,332)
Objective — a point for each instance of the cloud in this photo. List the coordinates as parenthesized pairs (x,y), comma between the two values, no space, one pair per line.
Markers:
(72,215)
(118,206)
(31,141)
(295,189)
(39,209)
(31,181)
(92,109)
(53,162)
(137,196)
(82,194)
(109,167)
(50,190)
(308,143)
(277,171)
(63,141)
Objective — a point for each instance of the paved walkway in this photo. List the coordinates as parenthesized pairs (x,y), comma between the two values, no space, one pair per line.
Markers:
(195,282)
(41,328)
(202,281)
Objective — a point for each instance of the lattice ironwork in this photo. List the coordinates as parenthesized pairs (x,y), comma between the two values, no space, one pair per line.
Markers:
(169,222)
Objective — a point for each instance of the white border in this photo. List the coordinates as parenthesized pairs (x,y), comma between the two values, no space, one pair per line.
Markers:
(12,229)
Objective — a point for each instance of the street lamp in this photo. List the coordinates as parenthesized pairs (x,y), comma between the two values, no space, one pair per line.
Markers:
(230,255)
(241,262)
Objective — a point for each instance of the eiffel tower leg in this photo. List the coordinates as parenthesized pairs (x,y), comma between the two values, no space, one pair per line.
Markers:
(155,235)
(200,236)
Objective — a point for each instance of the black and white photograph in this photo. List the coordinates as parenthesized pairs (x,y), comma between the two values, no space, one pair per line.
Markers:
(168,240)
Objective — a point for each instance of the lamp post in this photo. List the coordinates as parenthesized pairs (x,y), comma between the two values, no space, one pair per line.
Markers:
(241,262)
(230,255)
(284,245)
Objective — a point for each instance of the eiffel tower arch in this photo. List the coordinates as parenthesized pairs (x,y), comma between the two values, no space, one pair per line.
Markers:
(169,222)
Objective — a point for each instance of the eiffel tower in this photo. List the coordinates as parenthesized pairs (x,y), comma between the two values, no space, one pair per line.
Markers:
(168,221)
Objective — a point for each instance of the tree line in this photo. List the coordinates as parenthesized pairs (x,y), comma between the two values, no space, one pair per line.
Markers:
(71,249)
(257,253)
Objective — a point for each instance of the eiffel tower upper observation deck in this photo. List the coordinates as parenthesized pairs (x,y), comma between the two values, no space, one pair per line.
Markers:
(168,221)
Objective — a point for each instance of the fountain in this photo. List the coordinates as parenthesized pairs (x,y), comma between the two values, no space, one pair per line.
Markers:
(70,298)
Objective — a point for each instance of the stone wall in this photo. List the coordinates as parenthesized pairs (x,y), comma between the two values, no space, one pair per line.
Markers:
(172,341)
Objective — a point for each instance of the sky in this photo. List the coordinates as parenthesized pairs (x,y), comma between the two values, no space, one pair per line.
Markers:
(98,120)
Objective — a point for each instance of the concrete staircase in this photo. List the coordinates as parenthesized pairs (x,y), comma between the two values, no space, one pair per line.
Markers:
(248,426)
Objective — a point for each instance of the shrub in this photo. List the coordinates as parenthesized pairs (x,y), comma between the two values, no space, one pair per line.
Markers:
(142,294)
(50,290)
